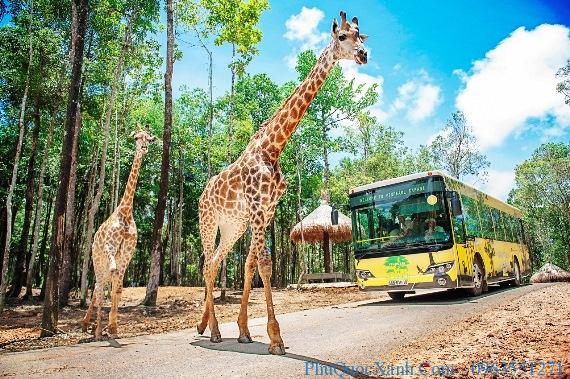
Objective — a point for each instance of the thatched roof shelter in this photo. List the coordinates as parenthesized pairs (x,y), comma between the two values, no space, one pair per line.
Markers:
(550,273)
(318,222)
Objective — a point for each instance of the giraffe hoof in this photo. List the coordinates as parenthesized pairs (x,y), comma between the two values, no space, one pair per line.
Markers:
(277,349)
(245,339)
(200,330)
(216,338)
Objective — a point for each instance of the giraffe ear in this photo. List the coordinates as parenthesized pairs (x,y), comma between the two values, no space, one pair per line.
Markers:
(363,37)
(334,29)
(152,139)
(133,133)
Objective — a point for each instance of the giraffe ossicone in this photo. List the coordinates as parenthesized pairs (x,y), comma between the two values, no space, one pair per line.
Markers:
(247,191)
(114,244)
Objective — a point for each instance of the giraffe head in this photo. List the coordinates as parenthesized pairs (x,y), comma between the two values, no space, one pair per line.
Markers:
(142,138)
(348,42)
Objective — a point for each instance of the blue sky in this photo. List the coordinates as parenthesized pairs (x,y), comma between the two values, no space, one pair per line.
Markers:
(493,60)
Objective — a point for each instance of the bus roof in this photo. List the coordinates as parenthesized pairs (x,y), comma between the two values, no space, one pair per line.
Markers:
(469,189)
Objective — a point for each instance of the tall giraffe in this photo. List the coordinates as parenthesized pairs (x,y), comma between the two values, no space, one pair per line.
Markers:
(247,191)
(114,244)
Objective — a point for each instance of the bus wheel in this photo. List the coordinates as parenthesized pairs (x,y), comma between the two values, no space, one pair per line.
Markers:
(478,277)
(397,296)
(517,280)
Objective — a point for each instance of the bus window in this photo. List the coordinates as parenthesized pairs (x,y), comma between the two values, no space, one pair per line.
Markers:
(511,231)
(470,217)
(518,228)
(362,232)
(487,222)
(499,225)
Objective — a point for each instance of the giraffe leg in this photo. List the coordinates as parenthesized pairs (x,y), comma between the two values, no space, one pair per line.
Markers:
(99,302)
(116,291)
(264,265)
(229,233)
(87,318)
(208,232)
(250,263)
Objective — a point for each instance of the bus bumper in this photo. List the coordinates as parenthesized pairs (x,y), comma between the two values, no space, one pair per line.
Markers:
(439,282)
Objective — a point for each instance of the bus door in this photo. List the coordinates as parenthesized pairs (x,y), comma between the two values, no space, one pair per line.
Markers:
(464,247)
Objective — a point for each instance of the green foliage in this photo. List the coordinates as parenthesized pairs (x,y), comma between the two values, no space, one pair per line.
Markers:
(455,149)
(542,192)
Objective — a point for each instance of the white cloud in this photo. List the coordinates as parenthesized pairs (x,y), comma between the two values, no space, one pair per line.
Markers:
(303,27)
(514,82)
(419,97)
(499,183)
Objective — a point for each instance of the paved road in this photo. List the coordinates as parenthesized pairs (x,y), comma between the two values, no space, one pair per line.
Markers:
(352,334)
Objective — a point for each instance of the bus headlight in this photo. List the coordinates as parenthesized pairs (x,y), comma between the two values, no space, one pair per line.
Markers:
(439,268)
(364,274)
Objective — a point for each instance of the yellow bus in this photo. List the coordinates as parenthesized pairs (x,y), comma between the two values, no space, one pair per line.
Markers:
(429,230)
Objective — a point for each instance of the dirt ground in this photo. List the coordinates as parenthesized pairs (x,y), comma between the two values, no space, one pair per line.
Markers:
(177,308)
(534,329)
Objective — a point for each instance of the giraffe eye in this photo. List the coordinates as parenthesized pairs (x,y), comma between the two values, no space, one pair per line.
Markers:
(342,37)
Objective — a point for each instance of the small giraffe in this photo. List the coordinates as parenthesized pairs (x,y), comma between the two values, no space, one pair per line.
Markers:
(247,191)
(114,244)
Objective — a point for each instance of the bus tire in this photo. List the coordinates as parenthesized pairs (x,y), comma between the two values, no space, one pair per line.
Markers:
(397,296)
(517,281)
(478,277)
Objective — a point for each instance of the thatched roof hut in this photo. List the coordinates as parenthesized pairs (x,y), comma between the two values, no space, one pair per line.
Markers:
(318,222)
(318,227)
(550,273)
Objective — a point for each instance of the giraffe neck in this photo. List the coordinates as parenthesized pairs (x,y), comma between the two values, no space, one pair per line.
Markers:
(126,204)
(285,121)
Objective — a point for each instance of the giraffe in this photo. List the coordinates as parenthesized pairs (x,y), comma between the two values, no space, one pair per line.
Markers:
(114,244)
(247,191)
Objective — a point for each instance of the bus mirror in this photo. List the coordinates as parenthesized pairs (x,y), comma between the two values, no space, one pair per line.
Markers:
(334,216)
(456,206)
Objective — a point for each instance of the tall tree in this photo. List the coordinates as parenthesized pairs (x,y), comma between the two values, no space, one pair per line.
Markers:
(51,301)
(235,22)
(542,192)
(156,247)
(8,236)
(455,149)
(564,86)
(102,164)
(21,258)
(338,100)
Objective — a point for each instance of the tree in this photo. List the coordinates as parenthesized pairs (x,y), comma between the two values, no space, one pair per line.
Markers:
(542,192)
(235,22)
(8,237)
(564,86)
(51,301)
(338,101)
(156,248)
(106,125)
(455,149)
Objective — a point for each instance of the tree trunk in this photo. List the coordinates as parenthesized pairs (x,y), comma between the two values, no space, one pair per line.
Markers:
(65,277)
(22,255)
(327,252)
(42,271)
(95,205)
(3,277)
(152,288)
(31,266)
(51,303)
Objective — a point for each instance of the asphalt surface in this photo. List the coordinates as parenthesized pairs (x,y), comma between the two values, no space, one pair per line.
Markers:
(324,342)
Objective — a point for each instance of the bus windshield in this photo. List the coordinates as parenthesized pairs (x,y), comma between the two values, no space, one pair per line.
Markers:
(404,216)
